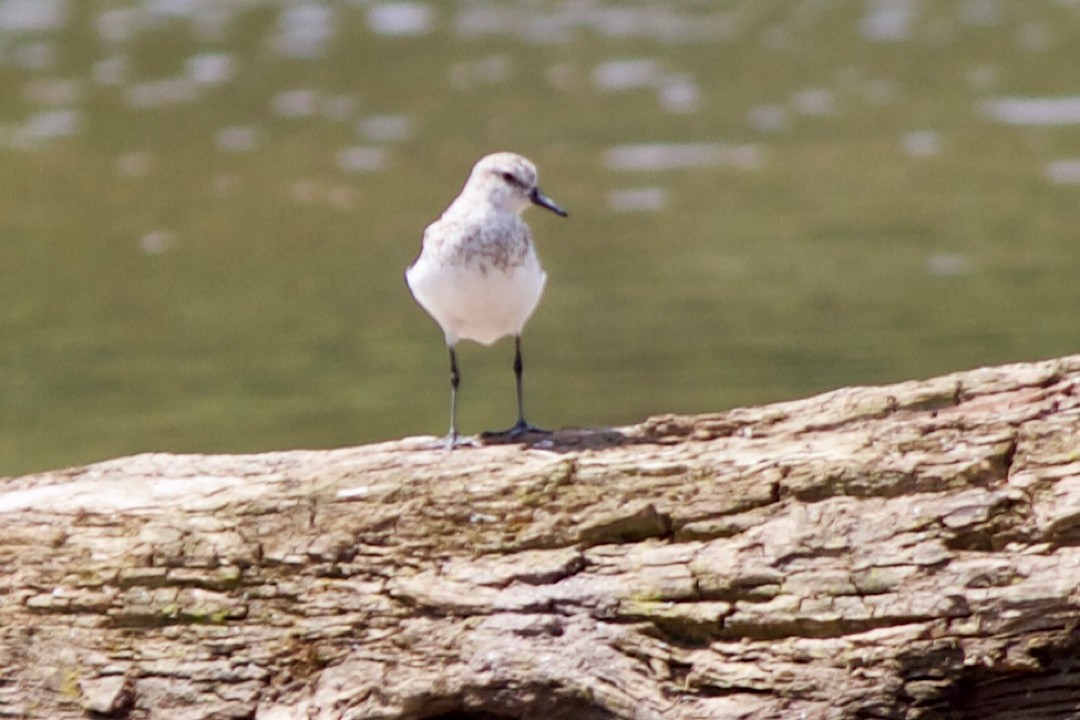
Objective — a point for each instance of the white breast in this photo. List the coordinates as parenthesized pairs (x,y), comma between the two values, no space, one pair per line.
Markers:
(475,301)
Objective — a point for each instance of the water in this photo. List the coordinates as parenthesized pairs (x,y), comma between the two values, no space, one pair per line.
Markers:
(206,208)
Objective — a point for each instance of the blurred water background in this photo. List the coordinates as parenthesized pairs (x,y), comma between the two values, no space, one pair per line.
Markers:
(206,208)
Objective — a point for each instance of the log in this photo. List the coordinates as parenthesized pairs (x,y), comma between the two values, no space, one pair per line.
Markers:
(910,551)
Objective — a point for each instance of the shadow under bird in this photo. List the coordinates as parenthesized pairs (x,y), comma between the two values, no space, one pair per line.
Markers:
(477,273)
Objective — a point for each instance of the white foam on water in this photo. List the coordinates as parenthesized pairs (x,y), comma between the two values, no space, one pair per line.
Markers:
(157,93)
(618,21)
(174,8)
(768,118)
(881,91)
(475,20)
(157,242)
(547,30)
(679,94)
(887,20)
(660,22)
(402,19)
(1033,111)
(817,102)
(304,30)
(134,164)
(385,128)
(921,143)
(776,37)
(663,156)
(948,265)
(491,70)
(44,126)
(32,16)
(211,68)
(654,21)
(116,25)
(297,103)
(626,74)
(980,13)
(362,159)
(676,93)
(1064,172)
(644,199)
(237,138)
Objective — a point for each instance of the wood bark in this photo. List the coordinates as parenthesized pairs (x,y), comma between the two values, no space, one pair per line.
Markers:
(910,551)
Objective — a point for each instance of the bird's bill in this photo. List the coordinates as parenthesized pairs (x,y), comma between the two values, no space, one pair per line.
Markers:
(538,198)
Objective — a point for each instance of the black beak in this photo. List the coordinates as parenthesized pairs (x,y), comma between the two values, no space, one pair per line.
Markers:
(538,198)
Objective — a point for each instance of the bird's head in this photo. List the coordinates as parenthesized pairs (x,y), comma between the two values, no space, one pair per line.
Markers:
(508,181)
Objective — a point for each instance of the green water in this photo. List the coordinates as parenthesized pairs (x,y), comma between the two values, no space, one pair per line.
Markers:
(189,262)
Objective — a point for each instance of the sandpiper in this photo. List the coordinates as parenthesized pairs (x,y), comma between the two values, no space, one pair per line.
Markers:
(477,273)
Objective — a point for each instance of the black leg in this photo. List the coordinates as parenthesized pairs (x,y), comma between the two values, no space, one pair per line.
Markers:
(518,368)
(455,381)
(522,426)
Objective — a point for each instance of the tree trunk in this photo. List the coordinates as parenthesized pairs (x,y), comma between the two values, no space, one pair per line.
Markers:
(910,551)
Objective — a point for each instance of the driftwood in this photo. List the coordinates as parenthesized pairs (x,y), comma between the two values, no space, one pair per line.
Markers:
(910,551)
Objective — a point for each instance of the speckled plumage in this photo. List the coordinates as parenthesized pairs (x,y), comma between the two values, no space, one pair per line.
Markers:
(502,244)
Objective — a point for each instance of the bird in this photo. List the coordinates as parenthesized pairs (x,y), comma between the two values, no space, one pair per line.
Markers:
(478,275)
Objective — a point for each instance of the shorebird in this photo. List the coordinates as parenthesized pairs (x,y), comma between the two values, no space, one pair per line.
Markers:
(477,273)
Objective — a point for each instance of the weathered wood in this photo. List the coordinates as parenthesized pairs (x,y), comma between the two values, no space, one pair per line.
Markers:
(910,551)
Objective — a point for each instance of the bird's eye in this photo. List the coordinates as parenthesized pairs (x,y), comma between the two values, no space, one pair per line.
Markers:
(508,177)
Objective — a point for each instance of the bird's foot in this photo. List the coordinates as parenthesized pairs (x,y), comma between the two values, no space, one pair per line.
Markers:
(520,429)
(453,440)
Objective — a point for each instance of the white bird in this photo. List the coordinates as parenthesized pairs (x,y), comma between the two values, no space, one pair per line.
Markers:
(477,273)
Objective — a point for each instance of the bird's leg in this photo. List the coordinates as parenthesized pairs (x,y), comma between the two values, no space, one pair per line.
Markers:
(455,381)
(522,426)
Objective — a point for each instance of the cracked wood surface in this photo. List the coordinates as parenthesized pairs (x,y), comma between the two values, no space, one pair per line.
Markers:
(910,551)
